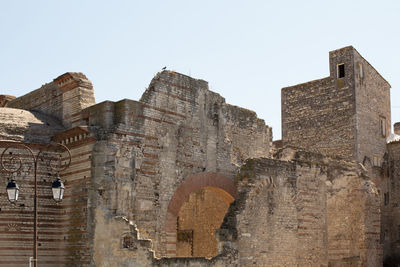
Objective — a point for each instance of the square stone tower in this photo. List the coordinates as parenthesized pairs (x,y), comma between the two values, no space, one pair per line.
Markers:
(346,114)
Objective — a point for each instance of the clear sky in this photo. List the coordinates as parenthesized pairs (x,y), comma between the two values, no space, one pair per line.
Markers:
(246,50)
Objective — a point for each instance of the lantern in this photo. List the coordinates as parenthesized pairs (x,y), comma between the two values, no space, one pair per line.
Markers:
(12,191)
(58,190)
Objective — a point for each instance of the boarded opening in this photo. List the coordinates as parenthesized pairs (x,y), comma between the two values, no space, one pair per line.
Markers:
(195,211)
(199,217)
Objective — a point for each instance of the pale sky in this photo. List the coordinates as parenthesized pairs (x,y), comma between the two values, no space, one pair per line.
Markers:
(246,50)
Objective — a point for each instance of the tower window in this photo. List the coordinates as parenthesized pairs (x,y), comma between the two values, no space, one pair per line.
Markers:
(386,198)
(376,161)
(382,125)
(340,70)
(398,229)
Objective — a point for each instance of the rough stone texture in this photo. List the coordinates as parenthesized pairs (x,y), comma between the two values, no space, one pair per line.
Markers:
(397,128)
(4,99)
(342,117)
(179,128)
(64,98)
(316,212)
(25,126)
(372,103)
(339,116)
(63,237)
(147,173)
(391,210)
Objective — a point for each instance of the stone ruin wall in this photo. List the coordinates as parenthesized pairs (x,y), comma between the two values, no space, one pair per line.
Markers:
(64,98)
(4,99)
(339,116)
(372,102)
(148,148)
(133,155)
(144,150)
(391,210)
(76,206)
(318,212)
(63,227)
(319,115)
(16,227)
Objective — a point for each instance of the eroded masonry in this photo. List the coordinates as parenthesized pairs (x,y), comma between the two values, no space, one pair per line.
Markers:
(181,178)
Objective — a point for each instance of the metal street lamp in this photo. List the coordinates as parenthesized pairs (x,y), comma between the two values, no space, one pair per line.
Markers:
(12,191)
(58,189)
(13,188)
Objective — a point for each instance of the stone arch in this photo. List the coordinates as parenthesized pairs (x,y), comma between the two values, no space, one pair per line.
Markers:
(218,183)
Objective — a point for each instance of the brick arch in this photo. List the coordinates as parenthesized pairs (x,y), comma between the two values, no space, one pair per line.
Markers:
(218,183)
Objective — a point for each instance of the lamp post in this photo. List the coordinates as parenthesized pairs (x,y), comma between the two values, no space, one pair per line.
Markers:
(13,188)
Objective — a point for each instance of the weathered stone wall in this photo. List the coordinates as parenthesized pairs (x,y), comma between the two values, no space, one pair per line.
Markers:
(16,232)
(320,115)
(75,206)
(242,124)
(142,171)
(64,98)
(353,220)
(391,208)
(316,212)
(148,148)
(4,99)
(267,234)
(372,103)
(396,128)
(339,116)
(27,126)
(62,227)
(47,99)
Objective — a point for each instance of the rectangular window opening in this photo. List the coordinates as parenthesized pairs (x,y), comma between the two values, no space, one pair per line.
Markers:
(386,198)
(382,126)
(340,70)
(384,236)
(398,229)
(376,161)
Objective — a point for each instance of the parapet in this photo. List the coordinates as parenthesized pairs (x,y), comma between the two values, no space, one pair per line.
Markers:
(71,80)
(64,98)
(29,127)
(4,99)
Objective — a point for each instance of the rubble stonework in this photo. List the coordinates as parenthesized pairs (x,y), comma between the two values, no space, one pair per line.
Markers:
(4,99)
(181,178)
(339,116)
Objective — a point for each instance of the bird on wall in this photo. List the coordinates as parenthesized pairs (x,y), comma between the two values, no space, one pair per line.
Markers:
(164,68)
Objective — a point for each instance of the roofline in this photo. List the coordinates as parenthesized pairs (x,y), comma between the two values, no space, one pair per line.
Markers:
(372,67)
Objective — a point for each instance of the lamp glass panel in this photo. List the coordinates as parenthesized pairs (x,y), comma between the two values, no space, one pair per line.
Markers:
(61,193)
(57,195)
(12,194)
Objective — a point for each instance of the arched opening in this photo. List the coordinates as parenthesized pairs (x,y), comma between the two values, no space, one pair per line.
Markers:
(195,212)
(199,217)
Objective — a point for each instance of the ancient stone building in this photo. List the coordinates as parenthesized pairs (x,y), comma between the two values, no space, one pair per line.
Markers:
(181,178)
